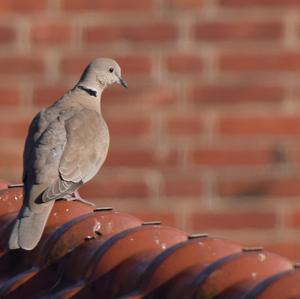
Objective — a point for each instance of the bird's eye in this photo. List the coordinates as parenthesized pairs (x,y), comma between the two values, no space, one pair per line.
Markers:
(111,69)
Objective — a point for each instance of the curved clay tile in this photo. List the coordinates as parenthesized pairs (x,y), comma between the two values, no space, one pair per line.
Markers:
(86,254)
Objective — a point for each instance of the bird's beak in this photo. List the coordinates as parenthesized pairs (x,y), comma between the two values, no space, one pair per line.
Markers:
(122,82)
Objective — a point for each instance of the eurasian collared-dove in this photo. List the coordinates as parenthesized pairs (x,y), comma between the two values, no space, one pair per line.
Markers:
(66,145)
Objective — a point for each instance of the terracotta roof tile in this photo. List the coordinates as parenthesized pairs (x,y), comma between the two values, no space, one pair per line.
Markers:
(86,253)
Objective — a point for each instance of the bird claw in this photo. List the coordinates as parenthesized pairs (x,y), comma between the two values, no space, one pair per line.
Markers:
(76,196)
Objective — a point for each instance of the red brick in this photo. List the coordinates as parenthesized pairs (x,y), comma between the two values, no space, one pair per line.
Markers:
(294,154)
(10,160)
(184,63)
(107,5)
(27,6)
(74,65)
(182,186)
(17,129)
(135,64)
(21,65)
(259,3)
(140,158)
(157,32)
(295,218)
(130,64)
(115,188)
(50,34)
(265,187)
(284,125)
(234,220)
(118,97)
(239,31)
(251,71)
(160,96)
(129,128)
(183,4)
(149,96)
(289,249)
(7,34)
(166,218)
(132,158)
(260,62)
(218,93)
(9,97)
(184,125)
(217,157)
(46,95)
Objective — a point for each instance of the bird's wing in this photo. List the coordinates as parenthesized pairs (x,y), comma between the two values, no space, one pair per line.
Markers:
(37,125)
(45,143)
(43,152)
(78,156)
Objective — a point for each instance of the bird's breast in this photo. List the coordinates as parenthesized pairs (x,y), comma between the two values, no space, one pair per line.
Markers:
(100,146)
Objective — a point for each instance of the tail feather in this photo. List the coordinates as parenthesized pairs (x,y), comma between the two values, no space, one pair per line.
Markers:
(13,239)
(29,227)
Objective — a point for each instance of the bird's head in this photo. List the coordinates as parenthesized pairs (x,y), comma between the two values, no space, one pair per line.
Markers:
(100,73)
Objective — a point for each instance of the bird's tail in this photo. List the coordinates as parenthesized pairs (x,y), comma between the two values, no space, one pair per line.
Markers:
(29,227)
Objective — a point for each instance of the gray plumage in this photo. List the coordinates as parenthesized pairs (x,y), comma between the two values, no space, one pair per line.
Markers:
(66,145)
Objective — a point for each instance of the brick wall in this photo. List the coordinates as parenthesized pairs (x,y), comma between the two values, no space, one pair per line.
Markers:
(207,138)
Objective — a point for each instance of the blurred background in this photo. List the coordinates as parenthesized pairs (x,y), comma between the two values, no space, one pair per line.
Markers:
(206,138)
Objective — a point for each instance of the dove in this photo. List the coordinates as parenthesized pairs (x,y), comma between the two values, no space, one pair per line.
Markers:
(66,145)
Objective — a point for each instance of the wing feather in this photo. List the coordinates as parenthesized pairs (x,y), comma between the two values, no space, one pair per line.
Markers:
(63,155)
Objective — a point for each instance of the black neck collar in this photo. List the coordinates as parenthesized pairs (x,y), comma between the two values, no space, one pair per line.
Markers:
(91,92)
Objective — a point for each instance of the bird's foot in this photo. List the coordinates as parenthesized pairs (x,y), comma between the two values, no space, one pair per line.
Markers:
(75,196)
